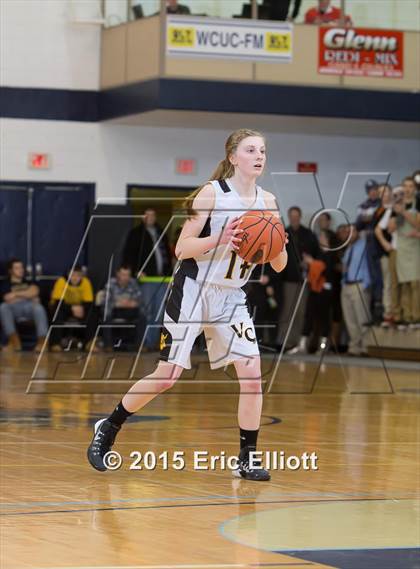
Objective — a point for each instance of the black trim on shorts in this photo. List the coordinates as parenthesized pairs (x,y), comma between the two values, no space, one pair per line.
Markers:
(166,339)
(224,186)
(245,288)
(173,305)
(189,268)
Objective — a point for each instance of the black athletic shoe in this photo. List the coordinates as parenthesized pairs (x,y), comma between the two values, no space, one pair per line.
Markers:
(103,439)
(257,473)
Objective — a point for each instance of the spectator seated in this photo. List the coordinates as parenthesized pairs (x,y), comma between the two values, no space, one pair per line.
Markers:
(21,306)
(122,312)
(72,310)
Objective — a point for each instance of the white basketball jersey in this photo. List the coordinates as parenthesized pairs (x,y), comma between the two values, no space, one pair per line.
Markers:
(222,265)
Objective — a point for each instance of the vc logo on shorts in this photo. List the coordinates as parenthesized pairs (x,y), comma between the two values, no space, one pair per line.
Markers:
(241,332)
(163,341)
(165,344)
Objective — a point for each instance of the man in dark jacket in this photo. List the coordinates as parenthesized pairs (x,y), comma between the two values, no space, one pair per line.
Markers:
(140,243)
(301,240)
(273,10)
(366,210)
(147,253)
(279,9)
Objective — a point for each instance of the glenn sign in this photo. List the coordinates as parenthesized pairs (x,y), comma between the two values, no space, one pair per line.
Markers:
(361,52)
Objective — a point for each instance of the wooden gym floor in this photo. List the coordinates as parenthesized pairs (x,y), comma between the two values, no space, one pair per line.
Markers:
(357,511)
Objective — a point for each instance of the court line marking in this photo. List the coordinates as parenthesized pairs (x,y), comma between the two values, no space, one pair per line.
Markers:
(237,499)
(57,462)
(213,566)
(119,380)
(208,443)
(191,470)
(203,505)
(24,439)
(200,566)
(334,361)
(376,548)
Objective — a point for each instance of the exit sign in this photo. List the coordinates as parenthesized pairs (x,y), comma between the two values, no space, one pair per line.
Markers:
(307,167)
(39,161)
(185,166)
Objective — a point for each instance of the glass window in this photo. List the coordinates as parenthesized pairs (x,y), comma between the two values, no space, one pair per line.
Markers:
(388,14)
(214,8)
(115,12)
(118,12)
(148,7)
(391,14)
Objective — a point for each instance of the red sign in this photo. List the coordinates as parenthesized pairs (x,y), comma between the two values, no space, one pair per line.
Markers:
(39,161)
(185,166)
(361,52)
(307,167)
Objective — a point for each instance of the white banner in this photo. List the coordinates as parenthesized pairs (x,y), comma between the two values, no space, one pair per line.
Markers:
(241,39)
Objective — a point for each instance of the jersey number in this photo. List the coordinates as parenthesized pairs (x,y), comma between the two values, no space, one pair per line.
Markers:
(244,267)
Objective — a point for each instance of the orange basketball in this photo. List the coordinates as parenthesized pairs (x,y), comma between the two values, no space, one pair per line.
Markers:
(263,237)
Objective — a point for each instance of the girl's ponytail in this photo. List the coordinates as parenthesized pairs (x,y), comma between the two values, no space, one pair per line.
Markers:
(225,168)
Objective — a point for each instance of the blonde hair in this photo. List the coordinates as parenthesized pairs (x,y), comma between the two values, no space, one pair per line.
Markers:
(225,168)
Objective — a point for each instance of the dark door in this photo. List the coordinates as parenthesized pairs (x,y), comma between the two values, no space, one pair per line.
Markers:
(60,219)
(44,224)
(14,208)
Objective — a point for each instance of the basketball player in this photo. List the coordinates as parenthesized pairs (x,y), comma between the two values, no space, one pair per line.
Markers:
(207,295)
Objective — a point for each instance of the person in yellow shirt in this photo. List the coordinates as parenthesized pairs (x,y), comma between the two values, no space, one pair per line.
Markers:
(71,301)
(76,292)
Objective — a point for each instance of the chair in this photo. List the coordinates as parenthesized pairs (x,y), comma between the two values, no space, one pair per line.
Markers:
(27,333)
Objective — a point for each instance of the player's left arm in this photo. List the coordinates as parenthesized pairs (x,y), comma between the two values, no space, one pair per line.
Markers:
(280,262)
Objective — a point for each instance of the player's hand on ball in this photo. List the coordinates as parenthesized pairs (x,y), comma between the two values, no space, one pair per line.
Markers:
(230,234)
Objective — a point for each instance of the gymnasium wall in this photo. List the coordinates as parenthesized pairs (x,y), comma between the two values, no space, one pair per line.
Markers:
(40,46)
(114,155)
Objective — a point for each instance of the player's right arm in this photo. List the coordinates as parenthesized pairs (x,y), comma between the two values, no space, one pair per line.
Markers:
(189,243)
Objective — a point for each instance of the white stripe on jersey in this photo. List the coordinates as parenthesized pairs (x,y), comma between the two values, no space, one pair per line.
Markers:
(222,265)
